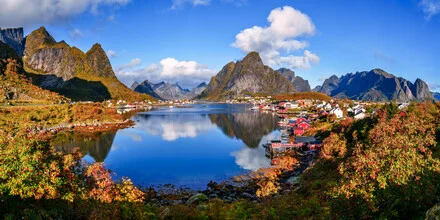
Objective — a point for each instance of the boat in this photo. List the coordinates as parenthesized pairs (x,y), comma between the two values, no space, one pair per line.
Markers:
(254,108)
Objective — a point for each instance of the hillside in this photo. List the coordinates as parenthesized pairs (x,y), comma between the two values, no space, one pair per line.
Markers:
(15,86)
(375,85)
(246,77)
(68,71)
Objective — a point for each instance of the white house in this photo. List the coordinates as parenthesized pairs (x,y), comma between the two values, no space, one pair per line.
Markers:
(360,115)
(327,106)
(338,112)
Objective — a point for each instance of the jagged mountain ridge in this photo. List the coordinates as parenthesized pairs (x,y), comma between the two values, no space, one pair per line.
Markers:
(298,82)
(246,77)
(167,91)
(436,95)
(14,38)
(58,67)
(375,85)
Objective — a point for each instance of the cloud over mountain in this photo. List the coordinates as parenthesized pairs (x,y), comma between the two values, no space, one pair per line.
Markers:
(276,42)
(37,12)
(187,73)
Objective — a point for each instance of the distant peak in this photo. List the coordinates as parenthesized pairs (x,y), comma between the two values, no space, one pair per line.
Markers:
(41,29)
(381,72)
(333,77)
(203,84)
(253,57)
(96,46)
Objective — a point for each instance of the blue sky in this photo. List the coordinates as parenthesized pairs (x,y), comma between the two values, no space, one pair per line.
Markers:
(191,40)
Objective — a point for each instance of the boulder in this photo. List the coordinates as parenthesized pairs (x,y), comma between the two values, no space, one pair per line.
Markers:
(197,198)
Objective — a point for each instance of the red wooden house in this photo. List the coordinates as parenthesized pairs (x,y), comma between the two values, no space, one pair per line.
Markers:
(299,120)
(304,125)
(298,131)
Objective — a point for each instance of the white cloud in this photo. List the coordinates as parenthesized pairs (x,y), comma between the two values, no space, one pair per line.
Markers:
(172,127)
(187,73)
(280,37)
(36,12)
(434,86)
(75,34)
(430,8)
(112,54)
(177,4)
(133,63)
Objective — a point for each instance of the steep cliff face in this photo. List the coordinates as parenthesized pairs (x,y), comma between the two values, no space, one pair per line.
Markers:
(246,77)
(329,85)
(375,85)
(197,90)
(99,62)
(146,87)
(421,90)
(299,84)
(69,71)
(14,85)
(14,38)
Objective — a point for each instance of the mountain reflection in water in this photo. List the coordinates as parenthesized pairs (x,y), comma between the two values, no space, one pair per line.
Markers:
(182,146)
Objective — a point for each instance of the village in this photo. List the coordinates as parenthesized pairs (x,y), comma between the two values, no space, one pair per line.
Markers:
(298,117)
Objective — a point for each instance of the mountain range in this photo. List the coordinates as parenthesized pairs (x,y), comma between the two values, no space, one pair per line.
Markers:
(436,95)
(246,77)
(167,91)
(56,66)
(66,70)
(298,83)
(375,85)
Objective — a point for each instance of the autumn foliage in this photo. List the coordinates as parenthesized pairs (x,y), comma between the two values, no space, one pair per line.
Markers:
(31,169)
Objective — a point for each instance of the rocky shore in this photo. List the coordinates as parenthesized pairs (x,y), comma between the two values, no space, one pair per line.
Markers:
(94,126)
(230,191)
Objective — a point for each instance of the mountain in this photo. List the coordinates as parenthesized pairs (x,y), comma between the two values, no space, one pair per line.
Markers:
(436,95)
(242,126)
(375,85)
(298,83)
(196,91)
(146,87)
(167,91)
(15,86)
(247,77)
(14,38)
(60,68)
(170,91)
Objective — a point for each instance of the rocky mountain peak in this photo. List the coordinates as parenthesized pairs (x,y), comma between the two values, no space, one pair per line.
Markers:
(36,39)
(14,38)
(381,73)
(203,84)
(134,85)
(253,58)
(98,60)
(375,85)
(288,73)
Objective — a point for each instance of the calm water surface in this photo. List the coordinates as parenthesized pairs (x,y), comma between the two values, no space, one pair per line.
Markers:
(181,146)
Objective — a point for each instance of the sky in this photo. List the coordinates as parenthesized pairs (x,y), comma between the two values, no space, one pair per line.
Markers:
(189,41)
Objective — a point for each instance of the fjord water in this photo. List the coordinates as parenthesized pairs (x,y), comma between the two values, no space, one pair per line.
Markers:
(186,147)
